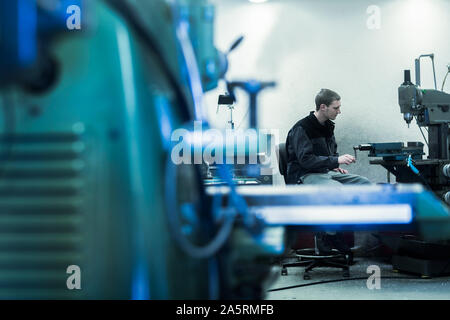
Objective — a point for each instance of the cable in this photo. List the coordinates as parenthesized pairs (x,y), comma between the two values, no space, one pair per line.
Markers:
(423,136)
(338,280)
(445,78)
(186,245)
(434,72)
(409,164)
(420,128)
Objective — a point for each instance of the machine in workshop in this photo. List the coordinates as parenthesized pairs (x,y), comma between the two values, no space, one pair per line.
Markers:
(89,107)
(431,109)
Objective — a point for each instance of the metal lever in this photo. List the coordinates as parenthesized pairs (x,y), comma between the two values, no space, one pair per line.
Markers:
(362,147)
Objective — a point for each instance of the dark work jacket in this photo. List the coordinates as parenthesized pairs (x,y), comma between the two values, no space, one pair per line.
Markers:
(311,148)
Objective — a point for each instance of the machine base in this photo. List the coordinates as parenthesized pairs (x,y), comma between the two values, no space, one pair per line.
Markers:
(426,268)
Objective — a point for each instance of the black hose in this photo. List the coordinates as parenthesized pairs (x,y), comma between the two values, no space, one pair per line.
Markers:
(337,280)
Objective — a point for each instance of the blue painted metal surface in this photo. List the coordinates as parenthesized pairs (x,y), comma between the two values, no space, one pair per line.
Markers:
(395,151)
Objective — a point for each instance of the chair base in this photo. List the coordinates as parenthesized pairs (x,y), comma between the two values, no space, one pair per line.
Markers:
(308,259)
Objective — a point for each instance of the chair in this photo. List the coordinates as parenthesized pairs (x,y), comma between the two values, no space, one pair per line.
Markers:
(281,153)
(310,258)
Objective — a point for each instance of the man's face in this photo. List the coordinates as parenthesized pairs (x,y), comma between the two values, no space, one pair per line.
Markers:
(332,110)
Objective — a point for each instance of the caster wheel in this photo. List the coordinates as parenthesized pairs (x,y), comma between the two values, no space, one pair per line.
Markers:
(284,272)
(306,277)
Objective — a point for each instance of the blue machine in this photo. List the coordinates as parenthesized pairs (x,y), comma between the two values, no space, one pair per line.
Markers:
(26,28)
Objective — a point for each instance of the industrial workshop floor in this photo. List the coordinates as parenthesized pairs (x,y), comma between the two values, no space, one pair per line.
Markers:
(390,289)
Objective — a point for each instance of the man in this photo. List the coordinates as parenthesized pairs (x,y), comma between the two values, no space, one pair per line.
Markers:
(313,159)
(312,150)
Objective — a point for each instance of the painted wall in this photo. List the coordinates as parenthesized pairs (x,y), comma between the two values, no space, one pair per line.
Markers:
(308,45)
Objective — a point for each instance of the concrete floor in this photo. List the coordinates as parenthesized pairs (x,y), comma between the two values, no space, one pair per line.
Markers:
(390,289)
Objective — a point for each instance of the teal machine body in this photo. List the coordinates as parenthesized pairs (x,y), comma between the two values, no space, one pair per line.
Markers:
(87,116)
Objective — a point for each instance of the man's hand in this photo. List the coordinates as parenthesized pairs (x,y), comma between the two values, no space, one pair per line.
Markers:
(340,170)
(346,159)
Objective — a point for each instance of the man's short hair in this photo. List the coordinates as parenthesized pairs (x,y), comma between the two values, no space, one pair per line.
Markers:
(326,97)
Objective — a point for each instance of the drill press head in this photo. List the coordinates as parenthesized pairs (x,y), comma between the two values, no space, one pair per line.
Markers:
(409,98)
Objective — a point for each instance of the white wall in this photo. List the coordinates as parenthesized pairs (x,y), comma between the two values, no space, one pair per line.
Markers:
(313,44)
